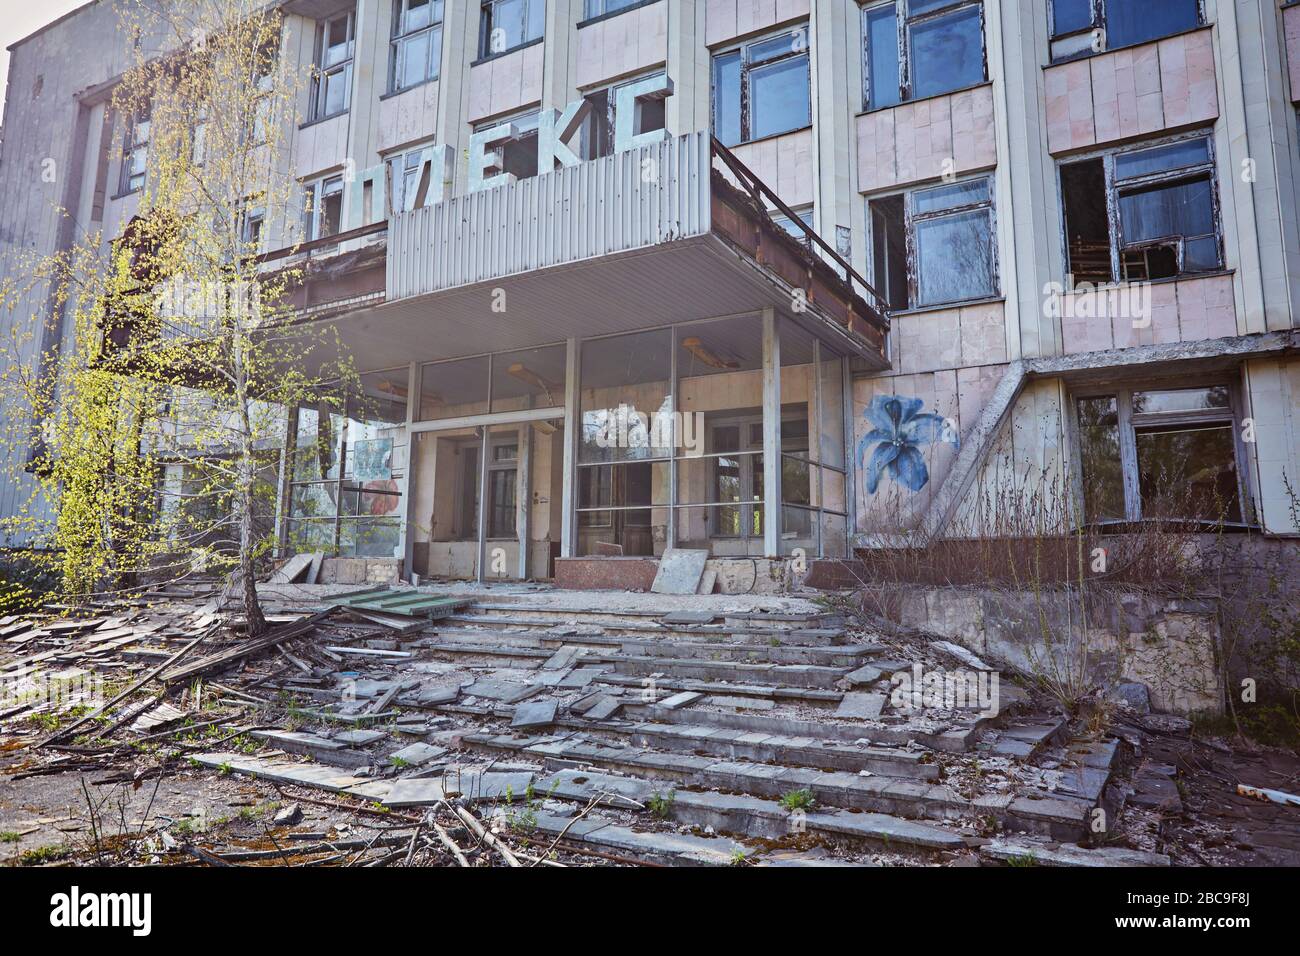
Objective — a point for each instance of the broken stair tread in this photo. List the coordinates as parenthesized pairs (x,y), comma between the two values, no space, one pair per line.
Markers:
(1069,855)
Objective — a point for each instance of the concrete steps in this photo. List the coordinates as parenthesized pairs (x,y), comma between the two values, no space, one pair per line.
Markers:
(737,632)
(745,815)
(911,799)
(788,675)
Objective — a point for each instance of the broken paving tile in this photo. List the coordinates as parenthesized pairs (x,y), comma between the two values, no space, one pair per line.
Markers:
(677,701)
(415,792)
(540,713)
(561,659)
(605,708)
(689,618)
(359,738)
(861,706)
(417,755)
(867,674)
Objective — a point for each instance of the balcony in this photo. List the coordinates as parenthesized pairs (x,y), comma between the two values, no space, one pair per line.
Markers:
(649,237)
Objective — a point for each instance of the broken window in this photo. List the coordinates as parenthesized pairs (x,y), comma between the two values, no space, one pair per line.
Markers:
(408,178)
(1159,453)
(345,493)
(1082,27)
(596,138)
(135,153)
(416,47)
(332,78)
(934,246)
(519,155)
(762,88)
(322,208)
(506,25)
(918,48)
(1139,214)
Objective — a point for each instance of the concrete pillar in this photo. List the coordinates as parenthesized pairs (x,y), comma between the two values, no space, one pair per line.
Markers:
(771,435)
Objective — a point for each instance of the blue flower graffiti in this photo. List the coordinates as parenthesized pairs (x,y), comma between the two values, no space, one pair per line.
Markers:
(899,430)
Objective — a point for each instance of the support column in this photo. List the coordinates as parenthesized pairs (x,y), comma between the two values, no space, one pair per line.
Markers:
(484,431)
(771,435)
(572,427)
(850,462)
(523,508)
(408,499)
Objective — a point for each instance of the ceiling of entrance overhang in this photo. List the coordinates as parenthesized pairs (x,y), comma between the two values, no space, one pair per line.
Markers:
(679,282)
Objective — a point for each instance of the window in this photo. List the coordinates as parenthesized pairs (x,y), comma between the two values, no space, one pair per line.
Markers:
(1082,27)
(332,82)
(345,488)
(251,222)
(597,133)
(805,215)
(918,48)
(605,8)
(519,155)
(1159,453)
(1139,214)
(135,153)
(416,50)
(946,233)
(506,25)
(408,178)
(322,208)
(762,88)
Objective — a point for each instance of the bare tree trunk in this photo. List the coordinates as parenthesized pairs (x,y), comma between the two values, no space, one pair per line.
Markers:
(252,606)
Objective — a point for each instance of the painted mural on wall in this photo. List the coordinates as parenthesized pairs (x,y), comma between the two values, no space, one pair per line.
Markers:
(899,432)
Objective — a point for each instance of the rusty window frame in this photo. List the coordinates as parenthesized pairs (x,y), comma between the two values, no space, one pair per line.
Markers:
(798,48)
(589,150)
(905,23)
(1116,186)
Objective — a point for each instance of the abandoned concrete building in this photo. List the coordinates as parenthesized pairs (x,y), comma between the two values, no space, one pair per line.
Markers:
(779,279)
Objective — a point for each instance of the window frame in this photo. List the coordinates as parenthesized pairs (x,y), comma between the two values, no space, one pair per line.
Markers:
(1097,28)
(402,38)
(1116,188)
(397,166)
(904,25)
(487,10)
(131,144)
(314,205)
(747,67)
(530,117)
(912,247)
(1128,423)
(321,72)
(589,151)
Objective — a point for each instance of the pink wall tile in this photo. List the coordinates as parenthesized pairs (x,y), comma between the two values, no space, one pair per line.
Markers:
(911,142)
(1162,85)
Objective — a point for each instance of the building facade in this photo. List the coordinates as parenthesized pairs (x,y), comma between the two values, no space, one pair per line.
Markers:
(1008,250)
